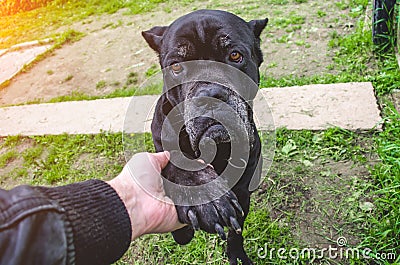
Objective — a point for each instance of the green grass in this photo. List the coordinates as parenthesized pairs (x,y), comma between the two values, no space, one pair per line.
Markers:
(336,144)
(154,69)
(66,158)
(291,19)
(384,227)
(7,158)
(101,84)
(11,141)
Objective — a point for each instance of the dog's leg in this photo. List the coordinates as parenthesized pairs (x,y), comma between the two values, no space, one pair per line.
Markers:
(235,249)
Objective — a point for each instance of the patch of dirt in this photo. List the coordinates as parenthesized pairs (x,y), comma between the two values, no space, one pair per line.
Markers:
(304,52)
(396,100)
(319,201)
(113,48)
(96,164)
(6,180)
(7,173)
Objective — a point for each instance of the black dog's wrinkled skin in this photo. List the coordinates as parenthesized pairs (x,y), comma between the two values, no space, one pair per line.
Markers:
(210,35)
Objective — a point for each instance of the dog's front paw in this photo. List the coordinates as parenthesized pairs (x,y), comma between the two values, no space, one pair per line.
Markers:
(215,214)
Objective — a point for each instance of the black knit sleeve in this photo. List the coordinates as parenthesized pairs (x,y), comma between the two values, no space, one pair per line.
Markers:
(101,228)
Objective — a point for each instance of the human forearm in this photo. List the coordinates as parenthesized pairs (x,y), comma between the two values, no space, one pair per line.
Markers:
(100,223)
(82,223)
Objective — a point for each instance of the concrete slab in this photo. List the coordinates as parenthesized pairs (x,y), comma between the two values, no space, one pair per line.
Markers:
(3,51)
(30,44)
(76,117)
(12,61)
(315,107)
(351,106)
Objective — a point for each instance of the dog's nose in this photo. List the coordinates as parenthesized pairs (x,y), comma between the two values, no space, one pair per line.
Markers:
(210,97)
(213,91)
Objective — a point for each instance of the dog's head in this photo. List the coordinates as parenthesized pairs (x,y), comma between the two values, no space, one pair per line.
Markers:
(216,36)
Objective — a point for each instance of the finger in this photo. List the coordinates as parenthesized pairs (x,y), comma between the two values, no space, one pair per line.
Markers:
(220,231)
(161,158)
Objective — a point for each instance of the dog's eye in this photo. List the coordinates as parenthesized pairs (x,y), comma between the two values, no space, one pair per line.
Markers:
(236,57)
(177,68)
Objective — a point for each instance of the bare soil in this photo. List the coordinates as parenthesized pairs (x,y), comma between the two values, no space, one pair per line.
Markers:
(317,202)
(113,48)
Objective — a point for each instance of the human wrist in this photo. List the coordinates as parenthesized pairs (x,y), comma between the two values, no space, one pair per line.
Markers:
(128,191)
(140,188)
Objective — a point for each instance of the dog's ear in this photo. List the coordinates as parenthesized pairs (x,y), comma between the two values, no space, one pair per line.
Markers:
(257,26)
(154,37)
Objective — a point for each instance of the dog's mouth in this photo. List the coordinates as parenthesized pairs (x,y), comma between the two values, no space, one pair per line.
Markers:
(217,133)
(205,136)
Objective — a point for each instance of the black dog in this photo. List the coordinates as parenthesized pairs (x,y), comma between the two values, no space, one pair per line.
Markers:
(216,36)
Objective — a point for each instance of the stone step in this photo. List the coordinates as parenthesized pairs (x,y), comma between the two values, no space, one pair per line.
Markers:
(13,60)
(349,106)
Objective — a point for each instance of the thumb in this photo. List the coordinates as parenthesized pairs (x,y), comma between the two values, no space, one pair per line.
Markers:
(161,158)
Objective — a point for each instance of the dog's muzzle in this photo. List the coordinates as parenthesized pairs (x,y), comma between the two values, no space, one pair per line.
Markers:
(216,115)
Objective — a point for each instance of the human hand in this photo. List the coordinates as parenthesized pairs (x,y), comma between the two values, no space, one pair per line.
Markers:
(141,189)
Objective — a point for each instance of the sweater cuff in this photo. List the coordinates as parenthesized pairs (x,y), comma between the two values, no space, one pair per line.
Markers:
(100,222)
